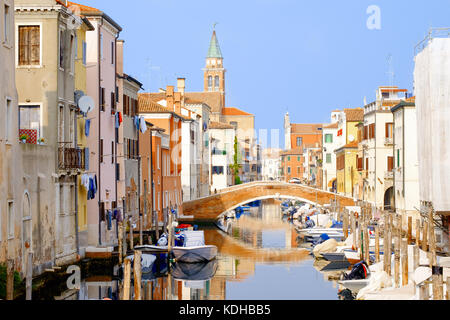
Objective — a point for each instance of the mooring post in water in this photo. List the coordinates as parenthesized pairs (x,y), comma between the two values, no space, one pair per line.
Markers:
(127,279)
(405,262)
(29,277)
(131,233)
(417,232)
(170,239)
(432,241)
(389,244)
(437,277)
(385,237)
(354,234)
(424,292)
(448,288)
(425,236)
(10,279)
(137,275)
(416,257)
(377,244)
(409,230)
(345,224)
(397,253)
(367,244)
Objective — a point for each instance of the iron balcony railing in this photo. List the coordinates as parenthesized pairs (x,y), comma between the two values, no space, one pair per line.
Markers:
(70,158)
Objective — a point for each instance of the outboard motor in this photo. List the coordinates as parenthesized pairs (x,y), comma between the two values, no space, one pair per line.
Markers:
(324,237)
(359,272)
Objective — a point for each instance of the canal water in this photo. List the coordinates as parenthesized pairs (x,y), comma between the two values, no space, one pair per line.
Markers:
(260,258)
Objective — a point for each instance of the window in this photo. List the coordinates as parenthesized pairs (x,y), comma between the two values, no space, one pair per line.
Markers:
(11,222)
(216,83)
(390,163)
(298,159)
(8,120)
(298,170)
(102,99)
(389,130)
(385,95)
(366,130)
(328,138)
(29,46)
(7,24)
(113,103)
(101,150)
(84,44)
(30,122)
(112,52)
(398,158)
(372,131)
(72,126)
(210,84)
(76,47)
(289,158)
(359,162)
(329,160)
(234,124)
(158,157)
(72,53)
(218,170)
(367,164)
(61,49)
(112,152)
(289,170)
(101,45)
(299,142)
(61,124)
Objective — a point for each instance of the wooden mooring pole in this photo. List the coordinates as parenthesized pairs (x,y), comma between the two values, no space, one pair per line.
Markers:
(418,232)
(437,279)
(126,280)
(404,252)
(397,253)
(137,275)
(448,288)
(10,279)
(389,245)
(377,244)
(29,277)
(409,230)
(345,224)
(425,236)
(120,243)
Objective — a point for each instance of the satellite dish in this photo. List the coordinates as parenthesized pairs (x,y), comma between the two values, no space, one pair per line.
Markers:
(78,94)
(86,104)
(351,138)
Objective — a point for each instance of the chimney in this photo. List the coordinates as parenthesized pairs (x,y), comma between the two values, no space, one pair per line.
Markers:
(177,105)
(119,56)
(181,84)
(169,97)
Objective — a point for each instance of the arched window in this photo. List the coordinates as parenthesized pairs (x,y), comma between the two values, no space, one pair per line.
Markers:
(216,83)
(210,84)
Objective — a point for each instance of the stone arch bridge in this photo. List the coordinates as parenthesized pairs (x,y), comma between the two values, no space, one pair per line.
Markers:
(210,208)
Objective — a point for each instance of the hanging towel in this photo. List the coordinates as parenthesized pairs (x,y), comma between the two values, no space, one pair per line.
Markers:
(85,181)
(143,125)
(87,126)
(136,122)
(117,121)
(86,159)
(120,118)
(109,219)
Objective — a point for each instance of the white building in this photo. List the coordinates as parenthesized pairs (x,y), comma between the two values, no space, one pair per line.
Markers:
(432,91)
(271,164)
(406,163)
(378,145)
(331,142)
(222,153)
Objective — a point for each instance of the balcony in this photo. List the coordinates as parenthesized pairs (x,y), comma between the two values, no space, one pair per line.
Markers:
(389,175)
(71,158)
(388,141)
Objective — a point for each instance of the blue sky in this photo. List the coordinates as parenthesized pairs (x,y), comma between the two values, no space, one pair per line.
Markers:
(308,57)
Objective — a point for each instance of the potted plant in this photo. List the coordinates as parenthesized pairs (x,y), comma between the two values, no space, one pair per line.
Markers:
(23,138)
(41,141)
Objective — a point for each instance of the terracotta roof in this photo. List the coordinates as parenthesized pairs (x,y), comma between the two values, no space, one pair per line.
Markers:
(332,126)
(83,8)
(306,128)
(350,145)
(235,112)
(212,99)
(146,105)
(192,101)
(220,125)
(354,114)
(296,151)
(90,11)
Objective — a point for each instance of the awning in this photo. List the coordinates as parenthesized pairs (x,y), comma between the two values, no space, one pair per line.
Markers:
(330,184)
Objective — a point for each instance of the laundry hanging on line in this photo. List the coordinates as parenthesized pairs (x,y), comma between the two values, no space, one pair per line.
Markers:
(87,127)
(143,125)
(92,191)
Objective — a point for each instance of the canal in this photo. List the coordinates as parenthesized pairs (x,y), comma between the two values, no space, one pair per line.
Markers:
(260,258)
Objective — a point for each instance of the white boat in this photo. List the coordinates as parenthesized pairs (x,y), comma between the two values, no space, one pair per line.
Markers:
(355,285)
(194,249)
(147,261)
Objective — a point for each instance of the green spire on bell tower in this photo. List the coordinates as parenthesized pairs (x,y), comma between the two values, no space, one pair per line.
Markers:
(214,48)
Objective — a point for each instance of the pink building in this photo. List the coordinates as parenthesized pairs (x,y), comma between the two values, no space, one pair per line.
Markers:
(102,138)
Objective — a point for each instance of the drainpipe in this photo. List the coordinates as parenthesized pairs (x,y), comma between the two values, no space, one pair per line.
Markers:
(116,94)
(99,135)
(151,175)
(77,237)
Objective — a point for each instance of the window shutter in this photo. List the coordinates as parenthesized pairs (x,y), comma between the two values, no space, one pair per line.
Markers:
(367,164)
(390,164)
(101,150)
(387,130)
(35,45)
(23,46)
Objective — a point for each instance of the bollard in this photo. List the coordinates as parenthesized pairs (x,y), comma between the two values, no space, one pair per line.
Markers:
(137,275)
(405,262)
(126,280)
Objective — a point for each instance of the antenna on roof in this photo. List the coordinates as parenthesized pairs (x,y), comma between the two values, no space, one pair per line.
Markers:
(391,72)
(214,25)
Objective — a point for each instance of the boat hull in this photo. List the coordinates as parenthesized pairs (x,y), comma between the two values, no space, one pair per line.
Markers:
(195,254)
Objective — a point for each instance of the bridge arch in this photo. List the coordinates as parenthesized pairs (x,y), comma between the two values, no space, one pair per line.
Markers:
(210,208)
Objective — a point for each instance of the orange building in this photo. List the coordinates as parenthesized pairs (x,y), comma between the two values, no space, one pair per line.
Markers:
(166,149)
(292,164)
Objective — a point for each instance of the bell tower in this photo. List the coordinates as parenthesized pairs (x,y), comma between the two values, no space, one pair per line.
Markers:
(214,72)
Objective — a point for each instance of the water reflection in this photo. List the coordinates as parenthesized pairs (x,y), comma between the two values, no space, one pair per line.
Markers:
(260,257)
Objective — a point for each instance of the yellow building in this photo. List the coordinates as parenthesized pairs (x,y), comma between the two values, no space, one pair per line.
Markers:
(346,156)
(80,85)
